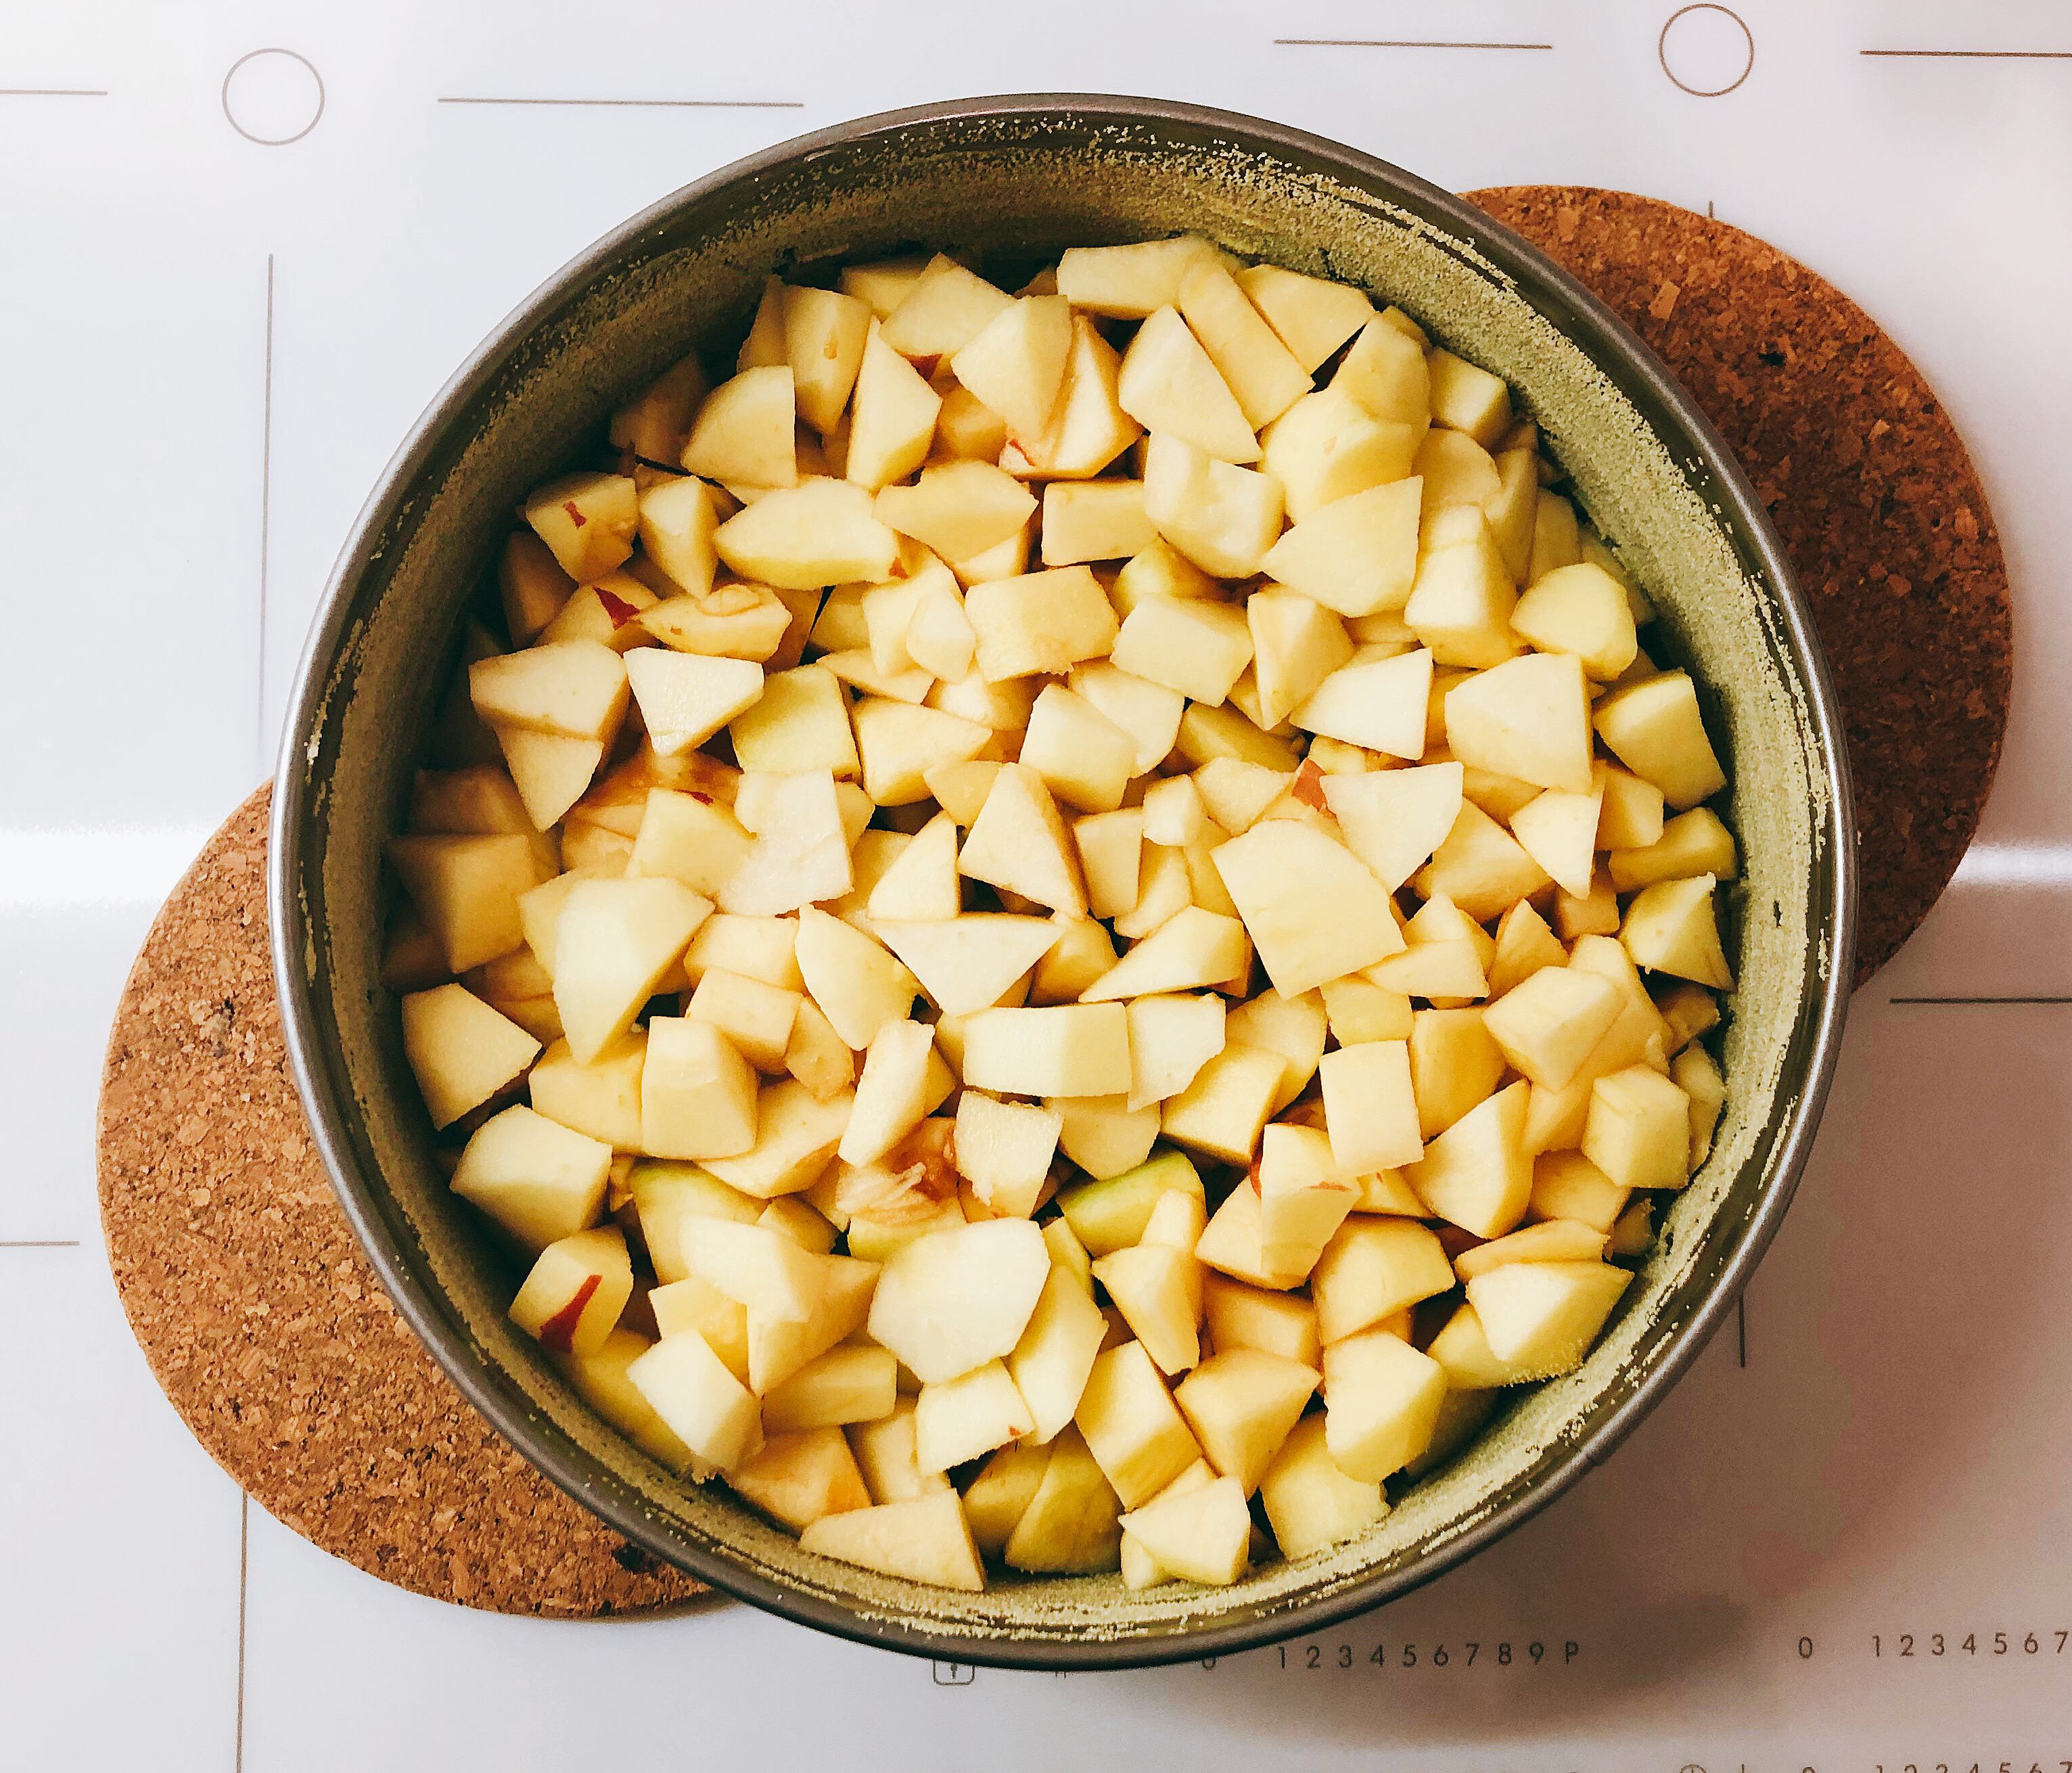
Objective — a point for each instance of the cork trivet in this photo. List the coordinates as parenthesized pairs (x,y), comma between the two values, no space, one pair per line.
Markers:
(262,1320)
(1880,508)
(275,1342)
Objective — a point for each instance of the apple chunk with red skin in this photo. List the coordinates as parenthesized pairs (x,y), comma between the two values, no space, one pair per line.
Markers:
(579,1286)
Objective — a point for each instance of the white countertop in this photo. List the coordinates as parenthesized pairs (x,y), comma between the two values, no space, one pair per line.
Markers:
(211,346)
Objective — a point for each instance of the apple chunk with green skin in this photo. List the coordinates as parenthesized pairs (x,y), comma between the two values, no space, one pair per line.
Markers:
(461,1051)
(957,1298)
(536,1179)
(925,1539)
(1278,874)
(578,1287)
(1110,1214)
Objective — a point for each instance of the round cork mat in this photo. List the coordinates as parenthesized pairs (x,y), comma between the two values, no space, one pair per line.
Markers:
(275,1342)
(1869,485)
(262,1320)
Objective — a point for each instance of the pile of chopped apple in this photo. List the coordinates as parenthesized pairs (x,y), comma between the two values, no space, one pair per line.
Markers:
(1068,926)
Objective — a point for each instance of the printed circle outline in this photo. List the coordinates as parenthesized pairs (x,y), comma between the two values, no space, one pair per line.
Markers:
(1662,49)
(230,116)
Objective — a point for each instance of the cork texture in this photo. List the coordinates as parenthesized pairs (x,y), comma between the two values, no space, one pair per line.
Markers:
(263,1322)
(276,1343)
(1871,488)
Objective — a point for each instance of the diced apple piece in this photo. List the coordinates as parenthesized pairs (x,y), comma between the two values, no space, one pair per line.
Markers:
(1373,1269)
(800,723)
(1697,1074)
(1199,1535)
(1224,1110)
(1231,1243)
(698,1307)
(1169,384)
(1221,517)
(704,1404)
(1070,1526)
(852,1383)
(967,964)
(1312,316)
(1566,1186)
(1277,873)
(925,1539)
(1481,867)
(800,1478)
(537,1180)
(1581,610)
(1195,647)
(955,1299)
(1190,950)
(1376,699)
(588,519)
(1258,370)
(1240,1315)
(885,1454)
(1093,519)
(1358,555)
(1394,820)
(1467,398)
(1559,831)
(938,637)
(1171,1037)
(1550,1240)
(614,941)
(1131,281)
(856,983)
(1458,472)
(756,947)
(824,332)
(1638,1132)
(1461,601)
(821,532)
(1381,1402)
(1151,1285)
(1016,363)
(462,1051)
(689,839)
(1085,759)
(1019,841)
(945,308)
(1109,1215)
(600,1379)
(743,432)
(601,1099)
(1304,1196)
(677,520)
(1550,1024)
(1149,713)
(1311,1503)
(899,744)
(747,621)
(1000,1495)
(778,1347)
(666,1193)
(685,698)
(1478,1173)
(960,1419)
(1327,448)
(578,1285)
(1540,1318)
(1528,718)
(1132,1426)
(1225,733)
(1385,370)
(532,586)
(795,1134)
(1064,1049)
(1056,1354)
(1653,727)
(1242,1404)
(1672,927)
(958,509)
(576,688)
